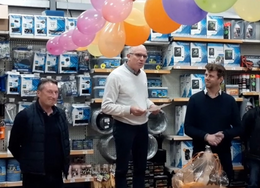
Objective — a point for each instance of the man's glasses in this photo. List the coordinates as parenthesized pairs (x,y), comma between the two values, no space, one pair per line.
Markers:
(139,55)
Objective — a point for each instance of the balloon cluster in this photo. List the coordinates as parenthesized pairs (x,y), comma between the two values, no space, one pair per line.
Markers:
(112,24)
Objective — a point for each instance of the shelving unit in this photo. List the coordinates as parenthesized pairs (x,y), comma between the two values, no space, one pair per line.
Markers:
(147,71)
(190,39)
(166,100)
(187,99)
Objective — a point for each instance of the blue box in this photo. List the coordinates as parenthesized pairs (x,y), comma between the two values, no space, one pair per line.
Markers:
(40,25)
(236,153)
(28,25)
(181,53)
(98,91)
(198,54)
(232,55)
(154,36)
(106,63)
(53,13)
(68,63)
(216,53)
(55,26)
(154,82)
(99,80)
(182,31)
(199,29)
(158,92)
(15,24)
(215,27)
(71,23)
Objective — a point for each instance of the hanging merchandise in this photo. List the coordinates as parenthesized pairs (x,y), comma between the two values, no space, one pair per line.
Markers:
(29,83)
(157,123)
(23,59)
(13,80)
(68,109)
(80,114)
(23,104)
(107,147)
(10,113)
(101,122)
(84,85)
(39,61)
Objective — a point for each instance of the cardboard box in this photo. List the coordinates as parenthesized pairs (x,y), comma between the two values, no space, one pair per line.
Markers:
(4,18)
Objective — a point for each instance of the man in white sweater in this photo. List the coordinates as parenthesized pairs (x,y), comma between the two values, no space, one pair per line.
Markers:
(126,99)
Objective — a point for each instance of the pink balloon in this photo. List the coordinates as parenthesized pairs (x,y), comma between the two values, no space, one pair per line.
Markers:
(97,4)
(116,11)
(90,22)
(53,46)
(66,41)
(80,39)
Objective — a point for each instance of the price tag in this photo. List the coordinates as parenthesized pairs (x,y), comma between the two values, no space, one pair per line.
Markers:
(233,68)
(85,152)
(199,67)
(160,100)
(156,71)
(87,179)
(72,180)
(108,70)
(177,67)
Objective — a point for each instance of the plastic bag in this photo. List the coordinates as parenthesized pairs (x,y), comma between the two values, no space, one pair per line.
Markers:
(203,170)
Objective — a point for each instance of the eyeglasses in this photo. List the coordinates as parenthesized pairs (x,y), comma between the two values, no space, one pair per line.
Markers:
(139,55)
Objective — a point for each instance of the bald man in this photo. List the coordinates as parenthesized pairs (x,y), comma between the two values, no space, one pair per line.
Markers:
(126,99)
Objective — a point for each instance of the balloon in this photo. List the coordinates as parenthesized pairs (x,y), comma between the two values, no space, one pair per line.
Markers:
(94,50)
(133,39)
(136,17)
(90,22)
(215,6)
(65,40)
(184,12)
(248,10)
(97,4)
(54,47)
(139,5)
(157,18)
(80,39)
(80,49)
(112,39)
(116,11)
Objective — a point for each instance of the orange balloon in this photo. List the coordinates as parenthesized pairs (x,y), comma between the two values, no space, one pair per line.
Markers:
(157,18)
(112,39)
(136,35)
(80,49)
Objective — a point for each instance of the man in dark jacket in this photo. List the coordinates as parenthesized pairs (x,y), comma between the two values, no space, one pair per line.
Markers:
(39,140)
(213,118)
(251,139)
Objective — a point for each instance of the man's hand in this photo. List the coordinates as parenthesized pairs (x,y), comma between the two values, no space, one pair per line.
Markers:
(214,139)
(157,109)
(137,111)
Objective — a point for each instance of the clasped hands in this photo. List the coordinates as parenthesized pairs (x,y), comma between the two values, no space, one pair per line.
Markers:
(215,139)
(138,111)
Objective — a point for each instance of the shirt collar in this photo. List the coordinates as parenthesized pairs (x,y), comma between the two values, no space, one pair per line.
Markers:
(40,108)
(218,93)
(131,70)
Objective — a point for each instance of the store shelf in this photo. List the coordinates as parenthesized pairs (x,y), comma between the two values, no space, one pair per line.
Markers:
(30,37)
(156,43)
(187,99)
(147,71)
(4,32)
(5,155)
(251,41)
(82,152)
(251,93)
(26,3)
(74,180)
(190,39)
(177,138)
(155,100)
(188,67)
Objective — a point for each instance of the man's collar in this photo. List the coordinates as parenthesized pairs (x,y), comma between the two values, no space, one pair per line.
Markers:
(218,93)
(131,70)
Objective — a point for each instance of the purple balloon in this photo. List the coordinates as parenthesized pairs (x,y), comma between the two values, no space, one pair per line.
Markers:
(80,39)
(185,12)
(90,22)
(66,41)
(97,4)
(53,46)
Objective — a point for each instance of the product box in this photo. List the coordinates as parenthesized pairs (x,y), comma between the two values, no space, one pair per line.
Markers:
(154,36)
(216,53)
(84,85)
(181,151)
(167,58)
(194,84)
(106,63)
(13,82)
(236,153)
(71,23)
(154,82)
(198,54)
(15,24)
(29,84)
(249,30)
(183,88)
(51,65)
(180,112)
(215,27)
(237,29)
(80,114)
(40,25)
(255,59)
(28,25)
(158,92)
(182,31)
(181,53)
(68,63)
(39,62)
(55,26)
(232,55)
(199,29)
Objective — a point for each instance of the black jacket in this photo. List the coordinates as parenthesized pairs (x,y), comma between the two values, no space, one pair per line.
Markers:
(251,138)
(28,136)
